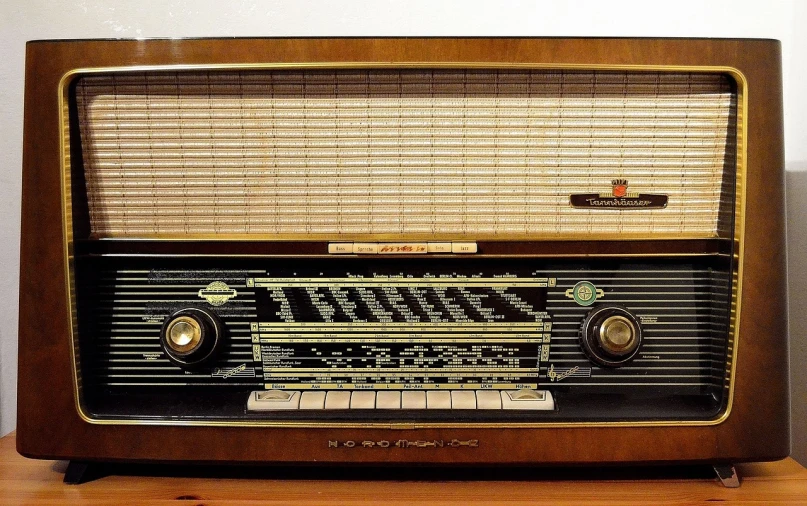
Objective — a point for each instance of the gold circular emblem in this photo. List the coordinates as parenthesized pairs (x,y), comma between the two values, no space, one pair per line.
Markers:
(217,293)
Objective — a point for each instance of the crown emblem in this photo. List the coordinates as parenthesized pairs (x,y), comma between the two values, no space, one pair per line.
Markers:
(619,198)
(620,187)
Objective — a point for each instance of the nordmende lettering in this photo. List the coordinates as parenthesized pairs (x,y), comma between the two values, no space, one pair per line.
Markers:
(405,443)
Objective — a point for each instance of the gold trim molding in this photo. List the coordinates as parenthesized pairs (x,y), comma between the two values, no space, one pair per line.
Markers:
(739,231)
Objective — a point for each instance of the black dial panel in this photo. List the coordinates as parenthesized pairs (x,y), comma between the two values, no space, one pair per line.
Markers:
(402,323)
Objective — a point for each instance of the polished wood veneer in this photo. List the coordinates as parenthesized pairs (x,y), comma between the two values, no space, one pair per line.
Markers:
(33,482)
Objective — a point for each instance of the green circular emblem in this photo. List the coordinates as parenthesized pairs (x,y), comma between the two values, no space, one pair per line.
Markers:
(584,293)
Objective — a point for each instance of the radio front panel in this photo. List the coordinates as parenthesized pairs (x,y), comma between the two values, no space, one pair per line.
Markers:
(461,176)
(479,327)
(404,153)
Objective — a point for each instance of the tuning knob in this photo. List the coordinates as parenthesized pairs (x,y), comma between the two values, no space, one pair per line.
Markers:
(192,337)
(610,336)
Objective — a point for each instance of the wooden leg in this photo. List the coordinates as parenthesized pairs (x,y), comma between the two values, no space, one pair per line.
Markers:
(77,473)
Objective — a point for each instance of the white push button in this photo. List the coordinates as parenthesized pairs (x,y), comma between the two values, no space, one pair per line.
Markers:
(488,399)
(527,399)
(365,248)
(439,247)
(337,399)
(312,400)
(463,248)
(463,399)
(413,400)
(270,400)
(438,400)
(388,400)
(526,395)
(273,395)
(340,248)
(362,400)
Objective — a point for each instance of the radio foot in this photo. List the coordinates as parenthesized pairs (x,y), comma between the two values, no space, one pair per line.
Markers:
(79,472)
(728,476)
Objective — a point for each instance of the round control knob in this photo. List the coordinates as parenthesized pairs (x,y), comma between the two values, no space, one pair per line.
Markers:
(183,334)
(610,336)
(192,337)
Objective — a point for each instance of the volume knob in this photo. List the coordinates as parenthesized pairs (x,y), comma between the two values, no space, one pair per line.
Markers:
(192,337)
(610,336)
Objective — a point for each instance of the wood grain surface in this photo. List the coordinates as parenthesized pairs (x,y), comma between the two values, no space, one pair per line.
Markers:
(37,482)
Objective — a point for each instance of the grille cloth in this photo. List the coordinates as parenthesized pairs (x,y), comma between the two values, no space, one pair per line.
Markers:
(404,153)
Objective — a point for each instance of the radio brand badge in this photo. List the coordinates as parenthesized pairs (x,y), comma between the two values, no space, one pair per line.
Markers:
(619,198)
(620,188)
(217,293)
(585,293)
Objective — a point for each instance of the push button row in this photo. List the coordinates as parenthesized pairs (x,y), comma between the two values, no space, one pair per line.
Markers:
(401,248)
(272,400)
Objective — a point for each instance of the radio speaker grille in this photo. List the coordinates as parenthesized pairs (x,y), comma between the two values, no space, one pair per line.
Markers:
(405,153)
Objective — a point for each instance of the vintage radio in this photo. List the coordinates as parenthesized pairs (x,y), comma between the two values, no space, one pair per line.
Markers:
(444,251)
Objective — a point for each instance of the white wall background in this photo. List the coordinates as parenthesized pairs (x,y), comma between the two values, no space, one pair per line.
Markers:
(22,20)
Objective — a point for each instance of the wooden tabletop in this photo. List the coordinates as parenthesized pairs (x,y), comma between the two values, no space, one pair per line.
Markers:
(25,481)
